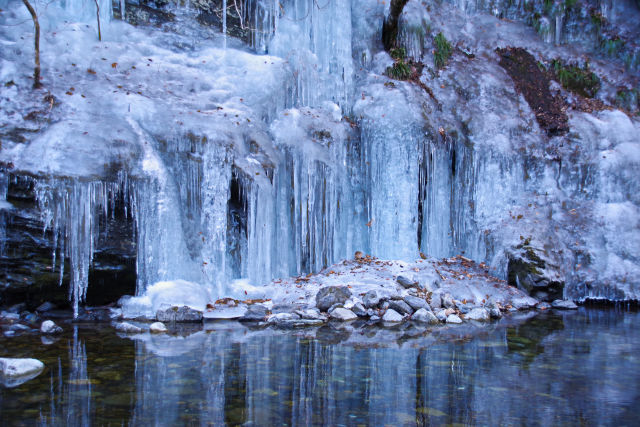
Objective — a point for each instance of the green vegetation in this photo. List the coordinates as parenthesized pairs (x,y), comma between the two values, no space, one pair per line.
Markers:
(443,51)
(400,70)
(613,45)
(570,4)
(576,79)
(628,99)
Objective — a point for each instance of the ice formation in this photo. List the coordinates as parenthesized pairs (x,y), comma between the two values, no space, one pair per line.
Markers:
(285,155)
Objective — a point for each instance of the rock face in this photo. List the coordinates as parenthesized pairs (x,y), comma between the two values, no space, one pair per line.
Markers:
(184,314)
(331,295)
(343,314)
(534,271)
(14,372)
(49,327)
(425,316)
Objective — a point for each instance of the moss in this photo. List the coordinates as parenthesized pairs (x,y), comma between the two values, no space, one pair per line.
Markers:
(399,71)
(580,80)
(442,51)
(612,46)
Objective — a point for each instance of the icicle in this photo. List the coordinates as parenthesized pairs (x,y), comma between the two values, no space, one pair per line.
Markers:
(224,24)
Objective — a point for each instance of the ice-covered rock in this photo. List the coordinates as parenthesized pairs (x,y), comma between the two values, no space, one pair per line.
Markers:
(14,372)
(453,318)
(157,328)
(49,327)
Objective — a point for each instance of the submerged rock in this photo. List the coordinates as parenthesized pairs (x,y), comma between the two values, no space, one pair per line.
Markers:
(331,295)
(184,314)
(45,306)
(49,327)
(564,305)
(14,372)
(425,316)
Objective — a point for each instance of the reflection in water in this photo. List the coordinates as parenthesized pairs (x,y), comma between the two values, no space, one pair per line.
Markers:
(551,369)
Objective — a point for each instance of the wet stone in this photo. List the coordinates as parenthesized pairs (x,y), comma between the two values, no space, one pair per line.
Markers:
(343,314)
(479,314)
(453,318)
(256,312)
(425,316)
(416,303)
(400,306)
(49,327)
(564,305)
(405,282)
(184,314)
(331,295)
(392,316)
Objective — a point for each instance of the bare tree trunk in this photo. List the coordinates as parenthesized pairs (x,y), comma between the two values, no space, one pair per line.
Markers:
(36,70)
(98,17)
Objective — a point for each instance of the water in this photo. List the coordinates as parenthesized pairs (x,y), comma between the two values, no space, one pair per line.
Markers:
(549,369)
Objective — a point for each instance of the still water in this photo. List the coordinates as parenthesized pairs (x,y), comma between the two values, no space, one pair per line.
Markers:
(578,368)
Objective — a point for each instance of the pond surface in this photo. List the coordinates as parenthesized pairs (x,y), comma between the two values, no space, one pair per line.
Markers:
(549,369)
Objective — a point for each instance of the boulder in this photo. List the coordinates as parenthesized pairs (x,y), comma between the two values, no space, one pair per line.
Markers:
(447,300)
(282,317)
(310,314)
(392,316)
(536,270)
(256,313)
(564,304)
(416,303)
(441,315)
(157,328)
(425,316)
(372,299)
(14,372)
(359,310)
(400,306)
(45,306)
(543,305)
(331,295)
(184,314)
(406,283)
(479,314)
(343,314)
(127,328)
(436,302)
(49,327)
(453,318)
(520,303)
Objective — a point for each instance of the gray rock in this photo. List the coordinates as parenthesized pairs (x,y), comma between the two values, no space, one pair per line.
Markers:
(343,314)
(157,328)
(416,303)
(127,328)
(45,306)
(282,317)
(372,299)
(374,318)
(523,302)
(495,313)
(429,283)
(49,327)
(256,313)
(425,316)
(14,372)
(436,301)
(400,306)
(371,312)
(359,310)
(331,295)
(543,305)
(447,300)
(405,282)
(392,316)
(184,314)
(564,304)
(479,314)
(464,308)
(441,315)
(384,305)
(453,318)
(310,314)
